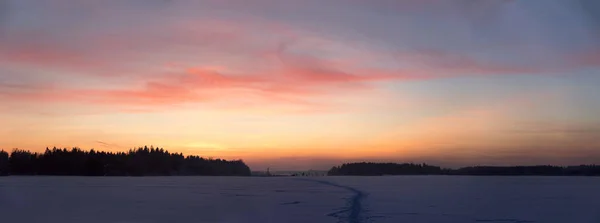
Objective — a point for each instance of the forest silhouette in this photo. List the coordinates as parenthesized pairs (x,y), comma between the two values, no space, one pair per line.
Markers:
(143,161)
(150,161)
(379,169)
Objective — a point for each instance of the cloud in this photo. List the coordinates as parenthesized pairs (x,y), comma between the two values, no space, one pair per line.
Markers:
(220,57)
(105,144)
(456,64)
(296,83)
(590,59)
(556,128)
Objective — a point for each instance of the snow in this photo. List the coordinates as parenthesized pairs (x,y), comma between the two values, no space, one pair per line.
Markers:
(411,199)
(417,199)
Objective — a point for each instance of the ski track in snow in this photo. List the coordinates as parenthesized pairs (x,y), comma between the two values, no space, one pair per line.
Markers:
(354,206)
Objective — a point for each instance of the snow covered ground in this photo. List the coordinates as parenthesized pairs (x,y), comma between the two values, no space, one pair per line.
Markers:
(411,199)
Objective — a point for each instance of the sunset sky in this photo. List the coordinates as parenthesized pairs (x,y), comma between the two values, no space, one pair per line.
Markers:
(306,84)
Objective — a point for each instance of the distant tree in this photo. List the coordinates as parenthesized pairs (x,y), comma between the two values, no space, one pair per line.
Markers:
(4,171)
(23,162)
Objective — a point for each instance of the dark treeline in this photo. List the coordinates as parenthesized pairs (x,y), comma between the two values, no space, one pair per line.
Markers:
(378,169)
(144,161)
(545,170)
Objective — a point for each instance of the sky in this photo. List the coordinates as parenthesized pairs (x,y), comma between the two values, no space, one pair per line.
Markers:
(306,84)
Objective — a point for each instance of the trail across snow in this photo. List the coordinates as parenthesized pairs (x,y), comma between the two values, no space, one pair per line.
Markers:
(353,212)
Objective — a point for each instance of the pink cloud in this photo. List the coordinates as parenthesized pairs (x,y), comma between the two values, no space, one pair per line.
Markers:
(44,55)
(297,80)
(274,67)
(290,85)
(591,59)
(457,64)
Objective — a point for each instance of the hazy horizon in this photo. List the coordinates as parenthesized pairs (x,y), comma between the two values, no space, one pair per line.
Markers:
(296,85)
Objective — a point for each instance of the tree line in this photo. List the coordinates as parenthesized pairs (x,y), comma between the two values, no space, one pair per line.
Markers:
(143,161)
(378,169)
(375,169)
